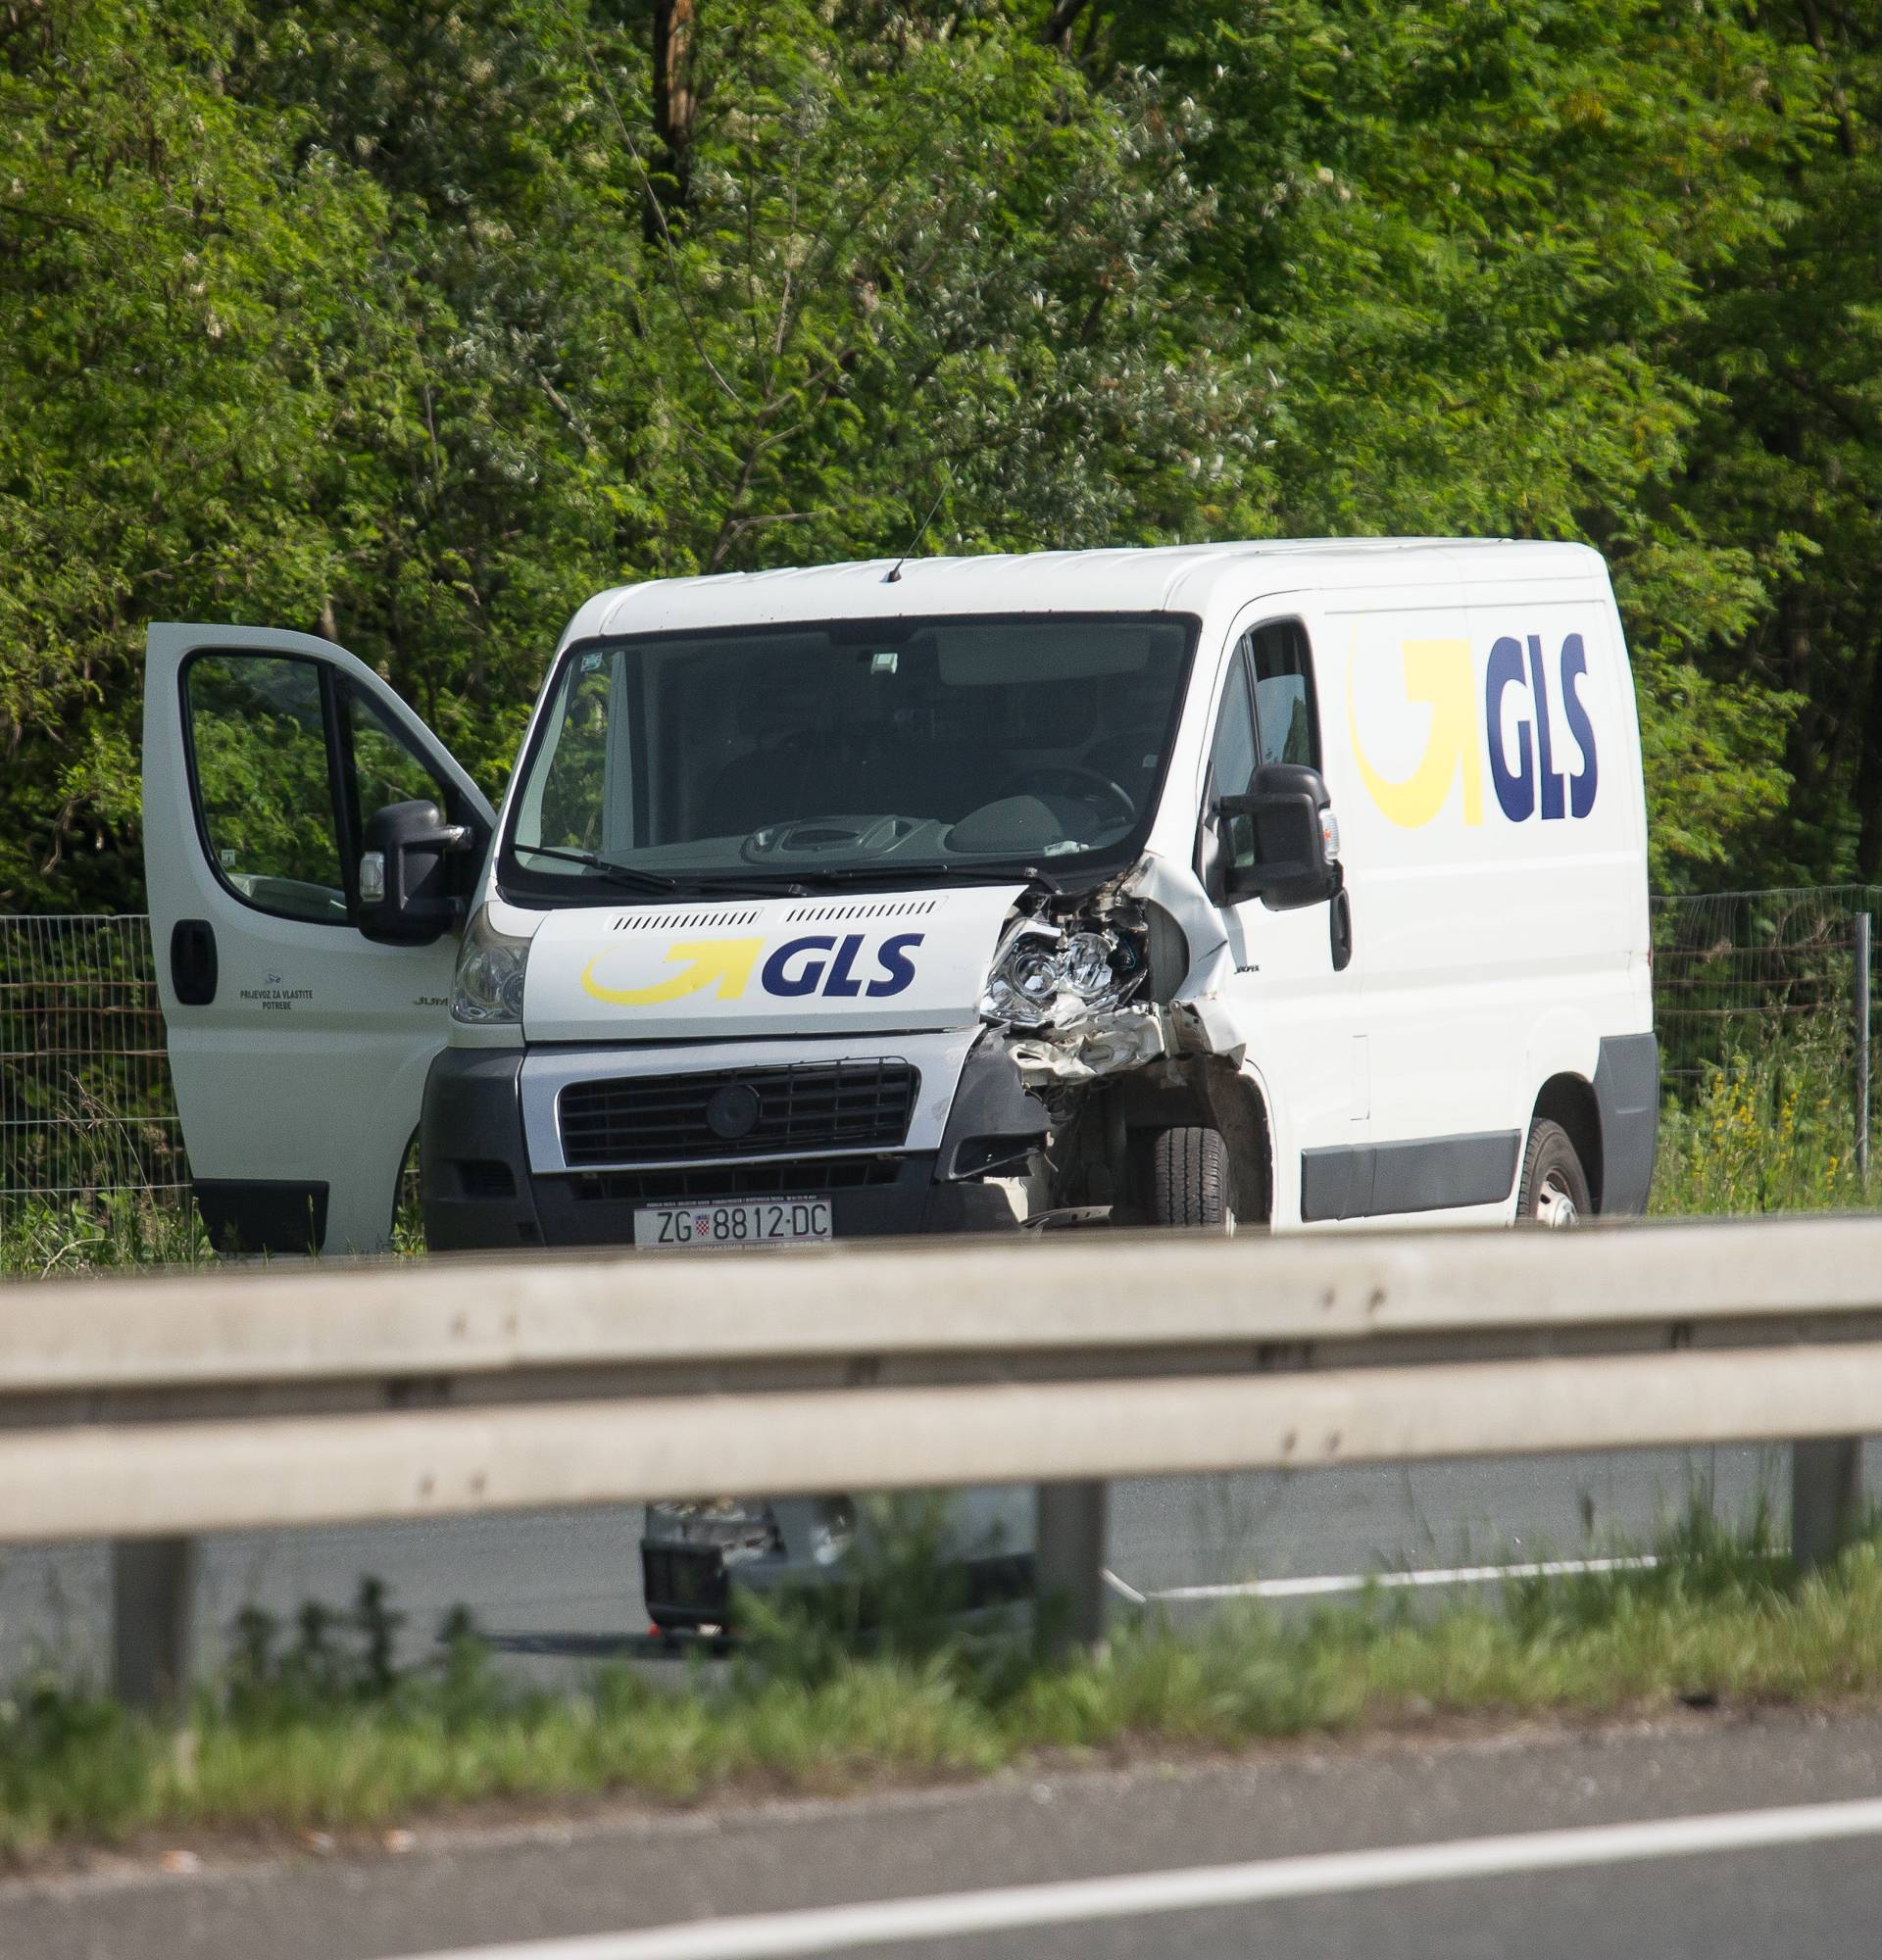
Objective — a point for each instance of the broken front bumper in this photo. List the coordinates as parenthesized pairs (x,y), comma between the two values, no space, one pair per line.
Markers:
(499,1168)
(697,1557)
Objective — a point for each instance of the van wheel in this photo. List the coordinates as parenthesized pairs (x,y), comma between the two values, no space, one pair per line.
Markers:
(1189,1180)
(1554,1190)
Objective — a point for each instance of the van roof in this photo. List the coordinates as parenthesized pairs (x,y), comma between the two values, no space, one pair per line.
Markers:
(1176,579)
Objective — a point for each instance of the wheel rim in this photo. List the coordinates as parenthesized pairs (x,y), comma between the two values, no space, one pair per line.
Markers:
(1556,1206)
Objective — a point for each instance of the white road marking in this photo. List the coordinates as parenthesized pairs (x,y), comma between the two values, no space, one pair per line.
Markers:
(1011,1908)
(1317,1584)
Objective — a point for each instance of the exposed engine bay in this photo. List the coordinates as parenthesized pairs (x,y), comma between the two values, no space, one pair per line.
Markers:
(1108,1002)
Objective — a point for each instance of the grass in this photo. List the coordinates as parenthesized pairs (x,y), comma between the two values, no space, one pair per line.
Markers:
(1772,1130)
(108,1231)
(113,1231)
(326,1735)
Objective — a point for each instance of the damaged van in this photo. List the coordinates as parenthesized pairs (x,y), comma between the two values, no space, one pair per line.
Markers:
(1279,886)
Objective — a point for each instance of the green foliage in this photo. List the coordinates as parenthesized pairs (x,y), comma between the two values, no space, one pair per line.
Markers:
(111,1230)
(1772,1131)
(394,321)
(328,1734)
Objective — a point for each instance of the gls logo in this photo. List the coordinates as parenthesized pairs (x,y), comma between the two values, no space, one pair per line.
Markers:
(796,968)
(1439,672)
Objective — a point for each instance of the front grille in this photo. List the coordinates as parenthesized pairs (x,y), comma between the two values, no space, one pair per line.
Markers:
(628,1119)
(802,1177)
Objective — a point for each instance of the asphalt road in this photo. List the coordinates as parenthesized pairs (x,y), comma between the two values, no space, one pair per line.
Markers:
(563,1583)
(1421,1802)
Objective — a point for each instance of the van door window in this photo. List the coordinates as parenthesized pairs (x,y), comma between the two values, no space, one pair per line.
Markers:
(1231,756)
(386,767)
(263,783)
(1284,693)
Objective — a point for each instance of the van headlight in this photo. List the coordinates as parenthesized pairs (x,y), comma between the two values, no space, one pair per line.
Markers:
(1042,975)
(487,991)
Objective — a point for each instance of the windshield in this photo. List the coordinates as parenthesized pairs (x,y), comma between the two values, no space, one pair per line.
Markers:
(847,752)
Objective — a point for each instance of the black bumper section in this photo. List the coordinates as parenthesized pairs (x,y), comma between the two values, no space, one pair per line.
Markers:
(688,1587)
(481,1194)
(1627,1101)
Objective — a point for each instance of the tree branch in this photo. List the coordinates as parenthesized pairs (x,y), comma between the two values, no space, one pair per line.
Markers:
(1059,22)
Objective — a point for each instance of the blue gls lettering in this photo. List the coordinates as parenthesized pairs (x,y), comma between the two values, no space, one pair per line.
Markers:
(1515,788)
(1574,669)
(776,979)
(839,983)
(1545,759)
(794,970)
(1534,780)
(897,969)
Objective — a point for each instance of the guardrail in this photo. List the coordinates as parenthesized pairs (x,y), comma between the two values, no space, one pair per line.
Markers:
(151,1411)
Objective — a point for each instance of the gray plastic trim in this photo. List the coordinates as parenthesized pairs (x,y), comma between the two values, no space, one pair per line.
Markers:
(1627,1101)
(1419,1174)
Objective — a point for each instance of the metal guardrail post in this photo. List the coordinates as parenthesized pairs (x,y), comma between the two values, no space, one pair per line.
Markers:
(1826,1487)
(1071,1565)
(1862,929)
(153,1598)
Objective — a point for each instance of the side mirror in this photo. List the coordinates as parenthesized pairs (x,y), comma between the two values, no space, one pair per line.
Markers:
(1280,842)
(405,883)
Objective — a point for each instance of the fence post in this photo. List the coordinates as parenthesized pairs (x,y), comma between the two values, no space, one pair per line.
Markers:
(1863,922)
(1070,1566)
(153,1599)
(1827,1487)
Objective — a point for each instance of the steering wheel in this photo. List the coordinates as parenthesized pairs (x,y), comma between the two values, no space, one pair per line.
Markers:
(1083,783)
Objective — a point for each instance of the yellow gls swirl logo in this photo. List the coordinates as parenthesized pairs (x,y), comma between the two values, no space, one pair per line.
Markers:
(1441,675)
(724,963)
(1437,671)
(818,964)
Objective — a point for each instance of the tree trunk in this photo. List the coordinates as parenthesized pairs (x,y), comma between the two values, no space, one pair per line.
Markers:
(674,101)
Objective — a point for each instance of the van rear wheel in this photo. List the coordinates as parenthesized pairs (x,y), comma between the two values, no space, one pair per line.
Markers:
(1554,1190)
(1189,1180)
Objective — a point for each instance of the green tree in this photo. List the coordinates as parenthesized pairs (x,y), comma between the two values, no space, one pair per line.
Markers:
(174,284)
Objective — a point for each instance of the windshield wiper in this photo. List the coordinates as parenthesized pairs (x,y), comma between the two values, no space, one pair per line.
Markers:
(994,871)
(620,874)
(706,885)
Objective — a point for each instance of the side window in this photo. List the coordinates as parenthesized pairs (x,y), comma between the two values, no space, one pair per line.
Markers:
(1284,693)
(263,791)
(581,770)
(386,768)
(1231,756)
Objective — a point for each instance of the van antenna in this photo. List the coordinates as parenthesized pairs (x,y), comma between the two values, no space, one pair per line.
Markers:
(894,571)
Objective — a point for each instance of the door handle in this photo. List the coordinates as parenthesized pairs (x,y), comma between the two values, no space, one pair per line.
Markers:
(192,962)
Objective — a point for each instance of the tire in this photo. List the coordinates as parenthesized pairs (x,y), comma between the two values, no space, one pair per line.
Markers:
(1189,1180)
(1553,1188)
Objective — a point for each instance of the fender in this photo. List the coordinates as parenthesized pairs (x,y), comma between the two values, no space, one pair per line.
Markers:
(1563,1042)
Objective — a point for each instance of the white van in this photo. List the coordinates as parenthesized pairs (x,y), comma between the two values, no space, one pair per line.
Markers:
(1282,885)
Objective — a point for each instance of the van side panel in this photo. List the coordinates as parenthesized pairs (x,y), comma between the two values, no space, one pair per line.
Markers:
(1485,764)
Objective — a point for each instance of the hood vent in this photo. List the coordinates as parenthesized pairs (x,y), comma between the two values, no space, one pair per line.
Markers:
(868,909)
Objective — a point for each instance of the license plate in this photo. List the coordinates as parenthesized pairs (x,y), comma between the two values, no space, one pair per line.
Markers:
(745,1221)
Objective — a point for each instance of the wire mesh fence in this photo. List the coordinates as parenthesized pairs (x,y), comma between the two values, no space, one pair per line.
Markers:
(1762,1003)
(1733,971)
(85,1103)
(86,1110)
